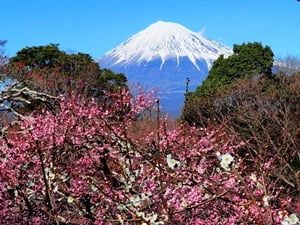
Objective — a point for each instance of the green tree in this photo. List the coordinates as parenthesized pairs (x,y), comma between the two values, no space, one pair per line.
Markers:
(247,60)
(49,69)
(40,56)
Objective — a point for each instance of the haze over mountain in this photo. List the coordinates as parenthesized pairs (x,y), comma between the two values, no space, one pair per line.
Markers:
(162,56)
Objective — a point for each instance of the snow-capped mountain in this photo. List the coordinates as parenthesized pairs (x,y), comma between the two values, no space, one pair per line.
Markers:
(162,56)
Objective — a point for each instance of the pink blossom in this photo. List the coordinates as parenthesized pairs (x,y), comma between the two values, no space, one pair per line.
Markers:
(83,164)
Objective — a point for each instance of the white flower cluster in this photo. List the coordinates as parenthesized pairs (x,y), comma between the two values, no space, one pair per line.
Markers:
(70,199)
(150,218)
(266,201)
(255,180)
(184,204)
(136,200)
(290,220)
(226,160)
(253,177)
(172,163)
(49,174)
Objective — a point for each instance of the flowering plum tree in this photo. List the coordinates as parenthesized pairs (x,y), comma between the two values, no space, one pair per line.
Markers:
(83,164)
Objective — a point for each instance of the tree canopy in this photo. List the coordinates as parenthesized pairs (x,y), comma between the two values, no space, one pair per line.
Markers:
(40,56)
(247,60)
(49,67)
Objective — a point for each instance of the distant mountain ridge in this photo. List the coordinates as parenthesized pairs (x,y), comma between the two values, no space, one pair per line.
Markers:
(162,56)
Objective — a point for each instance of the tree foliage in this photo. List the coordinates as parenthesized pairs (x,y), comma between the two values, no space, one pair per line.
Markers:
(247,60)
(49,69)
(48,56)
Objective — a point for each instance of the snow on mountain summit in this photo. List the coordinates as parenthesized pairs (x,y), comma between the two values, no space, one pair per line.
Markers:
(166,40)
(162,56)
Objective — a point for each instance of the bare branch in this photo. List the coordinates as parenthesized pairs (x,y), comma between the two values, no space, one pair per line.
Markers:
(21,95)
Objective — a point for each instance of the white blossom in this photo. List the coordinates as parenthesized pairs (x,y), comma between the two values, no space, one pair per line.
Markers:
(140,214)
(290,220)
(253,177)
(121,220)
(94,188)
(172,163)
(51,175)
(184,204)
(30,193)
(63,177)
(121,207)
(206,196)
(135,200)
(218,154)
(266,201)
(226,160)
(70,199)
(151,218)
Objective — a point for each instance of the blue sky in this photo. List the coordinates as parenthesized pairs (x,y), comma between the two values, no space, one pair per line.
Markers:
(95,26)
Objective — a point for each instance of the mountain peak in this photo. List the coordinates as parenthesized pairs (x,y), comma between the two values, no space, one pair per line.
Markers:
(161,56)
(166,40)
(166,27)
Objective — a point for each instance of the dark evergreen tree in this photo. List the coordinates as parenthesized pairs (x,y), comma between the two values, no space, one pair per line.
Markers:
(247,60)
(40,56)
(47,68)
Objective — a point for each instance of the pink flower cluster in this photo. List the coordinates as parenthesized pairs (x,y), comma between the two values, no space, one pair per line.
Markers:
(83,165)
